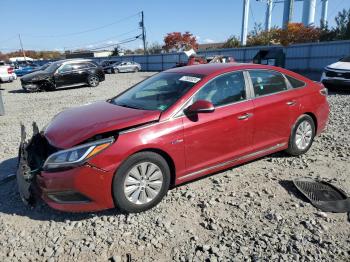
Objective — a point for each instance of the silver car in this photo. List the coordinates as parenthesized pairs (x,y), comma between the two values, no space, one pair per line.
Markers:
(128,66)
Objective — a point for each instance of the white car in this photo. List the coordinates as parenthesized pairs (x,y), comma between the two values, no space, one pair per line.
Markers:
(337,74)
(7,73)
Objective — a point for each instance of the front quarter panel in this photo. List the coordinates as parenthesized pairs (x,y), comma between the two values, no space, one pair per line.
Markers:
(165,136)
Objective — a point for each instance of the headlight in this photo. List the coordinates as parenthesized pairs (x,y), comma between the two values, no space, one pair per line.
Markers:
(77,155)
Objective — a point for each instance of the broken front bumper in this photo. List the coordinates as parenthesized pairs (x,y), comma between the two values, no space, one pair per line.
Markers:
(84,188)
(31,155)
(25,176)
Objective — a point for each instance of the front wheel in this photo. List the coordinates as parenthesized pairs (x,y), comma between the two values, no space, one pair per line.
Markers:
(141,182)
(302,136)
(93,80)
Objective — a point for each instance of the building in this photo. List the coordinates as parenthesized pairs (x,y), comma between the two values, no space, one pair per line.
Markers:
(88,54)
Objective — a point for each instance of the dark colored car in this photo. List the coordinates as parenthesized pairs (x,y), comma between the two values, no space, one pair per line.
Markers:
(64,73)
(171,128)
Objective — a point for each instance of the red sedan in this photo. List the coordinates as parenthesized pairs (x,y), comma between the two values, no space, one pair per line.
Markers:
(173,127)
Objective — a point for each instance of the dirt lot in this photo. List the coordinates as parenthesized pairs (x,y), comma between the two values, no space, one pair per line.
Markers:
(247,213)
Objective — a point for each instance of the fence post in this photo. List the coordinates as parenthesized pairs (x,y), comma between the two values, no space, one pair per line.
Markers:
(162,62)
(2,108)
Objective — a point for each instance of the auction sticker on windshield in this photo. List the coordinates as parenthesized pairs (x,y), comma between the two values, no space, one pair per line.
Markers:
(190,79)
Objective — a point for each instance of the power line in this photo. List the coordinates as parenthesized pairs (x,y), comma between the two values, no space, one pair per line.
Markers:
(101,41)
(84,31)
(119,43)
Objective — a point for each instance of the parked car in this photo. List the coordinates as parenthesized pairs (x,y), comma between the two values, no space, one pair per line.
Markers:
(64,73)
(337,74)
(171,128)
(120,67)
(107,65)
(7,73)
(26,69)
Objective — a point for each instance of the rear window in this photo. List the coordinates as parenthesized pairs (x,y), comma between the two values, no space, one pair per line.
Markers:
(267,82)
(295,83)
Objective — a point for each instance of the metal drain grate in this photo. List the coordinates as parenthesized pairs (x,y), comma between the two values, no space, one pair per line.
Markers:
(323,195)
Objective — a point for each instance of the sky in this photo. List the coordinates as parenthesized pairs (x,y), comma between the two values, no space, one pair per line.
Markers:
(72,24)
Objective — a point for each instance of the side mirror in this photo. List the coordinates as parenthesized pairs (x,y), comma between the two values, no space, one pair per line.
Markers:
(200,106)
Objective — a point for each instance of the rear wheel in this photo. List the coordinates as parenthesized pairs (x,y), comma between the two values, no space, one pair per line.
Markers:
(141,182)
(302,136)
(93,80)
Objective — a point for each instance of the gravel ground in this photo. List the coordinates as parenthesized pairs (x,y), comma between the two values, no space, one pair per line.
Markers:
(249,213)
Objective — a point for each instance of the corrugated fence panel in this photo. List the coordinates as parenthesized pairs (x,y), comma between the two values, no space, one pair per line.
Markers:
(311,57)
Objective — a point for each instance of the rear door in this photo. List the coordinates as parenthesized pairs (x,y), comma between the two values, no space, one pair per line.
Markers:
(274,108)
(213,138)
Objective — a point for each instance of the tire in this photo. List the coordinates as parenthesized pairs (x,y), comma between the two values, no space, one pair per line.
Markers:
(112,71)
(302,136)
(48,86)
(131,193)
(136,70)
(93,80)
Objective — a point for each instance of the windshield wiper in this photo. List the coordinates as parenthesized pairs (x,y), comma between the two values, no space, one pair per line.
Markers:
(128,106)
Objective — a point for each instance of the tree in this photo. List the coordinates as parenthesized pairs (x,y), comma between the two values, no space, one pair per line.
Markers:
(232,42)
(155,48)
(258,36)
(180,42)
(116,51)
(298,33)
(342,29)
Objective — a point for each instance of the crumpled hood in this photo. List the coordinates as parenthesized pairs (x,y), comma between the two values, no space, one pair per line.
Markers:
(35,75)
(340,65)
(78,124)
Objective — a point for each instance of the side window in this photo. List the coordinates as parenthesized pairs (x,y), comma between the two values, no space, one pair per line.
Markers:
(223,90)
(267,82)
(295,83)
(79,66)
(65,68)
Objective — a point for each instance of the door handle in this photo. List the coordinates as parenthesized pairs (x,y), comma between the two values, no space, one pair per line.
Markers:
(291,103)
(245,116)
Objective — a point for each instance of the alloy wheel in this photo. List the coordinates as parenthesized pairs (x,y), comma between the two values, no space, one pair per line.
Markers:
(303,135)
(93,80)
(143,183)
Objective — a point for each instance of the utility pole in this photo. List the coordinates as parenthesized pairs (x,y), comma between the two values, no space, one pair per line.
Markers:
(324,12)
(268,15)
(142,25)
(309,8)
(20,42)
(245,17)
(287,12)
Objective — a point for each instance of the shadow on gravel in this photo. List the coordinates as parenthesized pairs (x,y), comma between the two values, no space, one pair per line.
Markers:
(21,91)
(339,91)
(289,186)
(11,203)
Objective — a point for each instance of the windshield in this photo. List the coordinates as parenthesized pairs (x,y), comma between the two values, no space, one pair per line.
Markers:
(158,92)
(345,59)
(52,68)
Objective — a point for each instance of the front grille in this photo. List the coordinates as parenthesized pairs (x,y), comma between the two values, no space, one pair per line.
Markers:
(345,75)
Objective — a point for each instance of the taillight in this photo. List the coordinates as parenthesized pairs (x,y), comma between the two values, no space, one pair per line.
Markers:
(10,70)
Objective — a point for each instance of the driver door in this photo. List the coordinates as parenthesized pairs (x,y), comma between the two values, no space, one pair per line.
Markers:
(214,138)
(64,75)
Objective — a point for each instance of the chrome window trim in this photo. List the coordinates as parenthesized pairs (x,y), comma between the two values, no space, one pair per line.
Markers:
(179,113)
(271,94)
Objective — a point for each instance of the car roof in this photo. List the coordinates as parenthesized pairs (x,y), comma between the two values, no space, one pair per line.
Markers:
(215,68)
(77,60)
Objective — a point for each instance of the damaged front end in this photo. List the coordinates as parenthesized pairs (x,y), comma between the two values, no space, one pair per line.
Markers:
(31,157)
